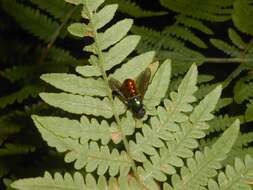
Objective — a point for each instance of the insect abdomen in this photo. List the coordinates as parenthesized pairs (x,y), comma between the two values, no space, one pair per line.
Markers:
(129,88)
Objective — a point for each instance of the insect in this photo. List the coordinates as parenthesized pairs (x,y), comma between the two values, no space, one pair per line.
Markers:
(131,92)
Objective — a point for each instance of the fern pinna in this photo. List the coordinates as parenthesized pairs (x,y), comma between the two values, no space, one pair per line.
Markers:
(160,151)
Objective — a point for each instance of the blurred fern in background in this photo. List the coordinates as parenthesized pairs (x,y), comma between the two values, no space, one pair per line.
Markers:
(175,136)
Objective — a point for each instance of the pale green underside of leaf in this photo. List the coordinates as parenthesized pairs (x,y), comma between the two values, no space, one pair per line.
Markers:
(115,33)
(202,111)
(75,84)
(86,129)
(204,165)
(75,182)
(78,29)
(104,16)
(134,66)
(80,104)
(159,85)
(130,69)
(90,155)
(234,177)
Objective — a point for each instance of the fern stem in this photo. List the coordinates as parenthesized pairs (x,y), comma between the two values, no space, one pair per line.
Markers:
(55,36)
(102,70)
(228,60)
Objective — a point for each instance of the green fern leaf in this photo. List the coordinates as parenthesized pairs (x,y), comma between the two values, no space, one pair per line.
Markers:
(129,69)
(78,182)
(236,39)
(217,11)
(167,47)
(90,155)
(32,20)
(86,129)
(110,36)
(75,84)
(80,104)
(57,8)
(159,86)
(15,149)
(114,33)
(234,177)
(202,111)
(225,47)
(193,23)
(61,56)
(104,16)
(204,166)
(132,9)
(9,124)
(243,89)
(180,101)
(222,122)
(78,29)
(181,139)
(242,13)
(185,34)
(91,6)
(47,182)
(21,95)
(17,72)
(249,112)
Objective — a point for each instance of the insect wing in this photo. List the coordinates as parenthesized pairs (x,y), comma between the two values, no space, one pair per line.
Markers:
(142,81)
(115,85)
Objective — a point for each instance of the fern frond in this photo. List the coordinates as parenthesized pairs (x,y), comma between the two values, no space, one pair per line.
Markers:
(21,95)
(193,23)
(234,177)
(225,47)
(81,104)
(249,112)
(185,34)
(179,134)
(61,56)
(77,182)
(56,8)
(17,72)
(221,123)
(14,149)
(204,166)
(86,129)
(236,39)
(31,20)
(132,9)
(90,155)
(209,10)
(243,89)
(159,85)
(75,84)
(242,13)
(171,47)
(8,125)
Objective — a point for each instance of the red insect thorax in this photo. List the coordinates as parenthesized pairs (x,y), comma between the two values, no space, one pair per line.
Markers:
(129,88)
